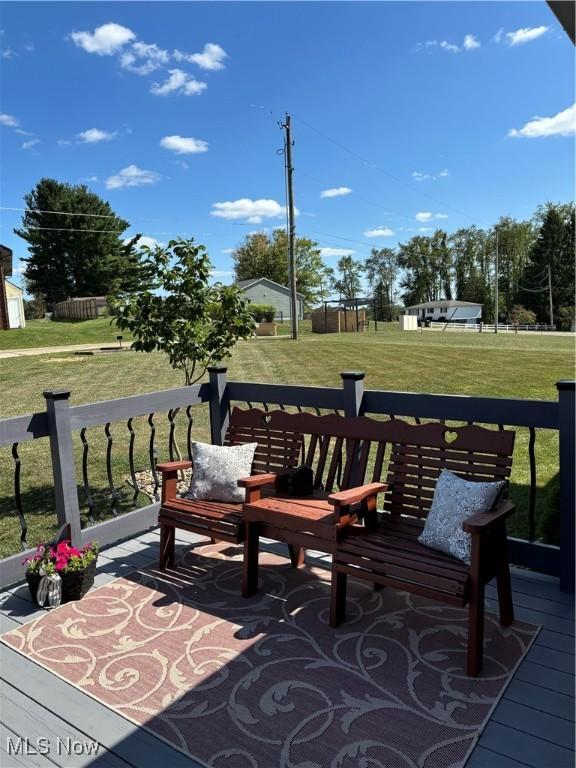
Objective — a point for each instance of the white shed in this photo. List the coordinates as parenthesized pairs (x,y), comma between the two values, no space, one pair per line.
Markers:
(15,303)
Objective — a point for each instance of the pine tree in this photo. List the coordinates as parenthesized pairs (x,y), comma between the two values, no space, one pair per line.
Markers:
(72,255)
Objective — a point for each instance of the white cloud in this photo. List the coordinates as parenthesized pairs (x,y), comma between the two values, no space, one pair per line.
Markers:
(252,211)
(444,173)
(470,43)
(63,142)
(335,192)
(328,252)
(446,46)
(499,36)
(378,232)
(105,40)
(19,269)
(95,135)
(440,215)
(30,143)
(143,58)
(212,57)
(423,216)
(524,35)
(90,179)
(178,82)
(184,145)
(9,120)
(228,251)
(7,53)
(425,229)
(562,124)
(417,176)
(221,272)
(131,176)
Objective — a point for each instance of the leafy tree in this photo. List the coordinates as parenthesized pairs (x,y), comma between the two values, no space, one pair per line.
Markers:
(515,239)
(426,261)
(381,270)
(194,323)
(34,308)
(554,249)
(348,284)
(472,259)
(73,255)
(519,315)
(264,255)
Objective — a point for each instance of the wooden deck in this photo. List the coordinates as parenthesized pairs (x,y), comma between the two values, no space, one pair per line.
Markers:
(532,726)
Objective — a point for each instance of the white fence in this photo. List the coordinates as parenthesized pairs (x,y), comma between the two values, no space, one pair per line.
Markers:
(486,328)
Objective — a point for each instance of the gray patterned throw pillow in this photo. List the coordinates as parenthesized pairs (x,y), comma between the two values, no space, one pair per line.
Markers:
(454,500)
(217,469)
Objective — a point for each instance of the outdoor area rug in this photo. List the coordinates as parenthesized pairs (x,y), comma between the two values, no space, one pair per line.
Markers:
(265,682)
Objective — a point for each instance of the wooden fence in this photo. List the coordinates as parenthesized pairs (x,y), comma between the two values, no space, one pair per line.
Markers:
(80,309)
(60,421)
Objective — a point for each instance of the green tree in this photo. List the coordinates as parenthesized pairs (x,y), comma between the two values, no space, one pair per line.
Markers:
(73,255)
(348,282)
(264,255)
(515,240)
(381,271)
(553,249)
(194,323)
(427,268)
(472,262)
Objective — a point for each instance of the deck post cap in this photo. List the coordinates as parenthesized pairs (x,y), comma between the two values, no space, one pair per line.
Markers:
(354,375)
(565,385)
(56,394)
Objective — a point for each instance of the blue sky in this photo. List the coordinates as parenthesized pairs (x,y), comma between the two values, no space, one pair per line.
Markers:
(406,115)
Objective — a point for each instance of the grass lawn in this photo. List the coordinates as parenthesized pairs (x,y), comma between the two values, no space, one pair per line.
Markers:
(458,363)
(57,333)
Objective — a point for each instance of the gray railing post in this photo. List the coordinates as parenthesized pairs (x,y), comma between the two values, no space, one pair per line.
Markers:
(353,384)
(567,436)
(219,404)
(63,466)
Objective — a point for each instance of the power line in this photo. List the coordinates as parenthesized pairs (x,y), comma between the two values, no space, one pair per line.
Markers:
(60,213)
(376,167)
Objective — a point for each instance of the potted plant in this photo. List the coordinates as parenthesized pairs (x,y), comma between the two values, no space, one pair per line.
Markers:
(59,572)
(266,325)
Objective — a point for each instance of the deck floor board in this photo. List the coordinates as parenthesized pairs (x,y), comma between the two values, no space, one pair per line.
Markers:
(531,726)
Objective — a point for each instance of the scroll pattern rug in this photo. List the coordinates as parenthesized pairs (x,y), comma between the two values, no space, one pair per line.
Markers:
(264,682)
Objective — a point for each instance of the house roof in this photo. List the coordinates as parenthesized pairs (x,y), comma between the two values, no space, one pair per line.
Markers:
(6,260)
(243,284)
(450,303)
(18,288)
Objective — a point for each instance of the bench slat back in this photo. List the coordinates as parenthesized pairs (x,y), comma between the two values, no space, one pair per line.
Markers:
(277,449)
(346,452)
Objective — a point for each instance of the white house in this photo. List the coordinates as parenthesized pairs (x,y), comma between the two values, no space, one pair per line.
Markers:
(263,291)
(447,310)
(15,302)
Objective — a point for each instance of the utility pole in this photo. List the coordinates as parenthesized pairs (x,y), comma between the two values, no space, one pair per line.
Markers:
(291,230)
(496,288)
(550,295)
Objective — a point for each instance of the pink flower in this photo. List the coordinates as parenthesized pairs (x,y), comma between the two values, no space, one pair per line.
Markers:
(61,563)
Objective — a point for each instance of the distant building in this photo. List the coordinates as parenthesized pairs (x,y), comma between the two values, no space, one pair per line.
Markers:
(263,291)
(446,310)
(11,296)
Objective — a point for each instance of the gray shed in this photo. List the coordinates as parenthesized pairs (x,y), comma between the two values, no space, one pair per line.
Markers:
(260,290)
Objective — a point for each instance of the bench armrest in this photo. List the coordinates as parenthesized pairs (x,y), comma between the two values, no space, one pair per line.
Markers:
(355,495)
(485,520)
(259,481)
(173,466)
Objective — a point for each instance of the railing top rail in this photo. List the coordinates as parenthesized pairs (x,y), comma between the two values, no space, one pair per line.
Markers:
(19,429)
(93,414)
(488,410)
(287,394)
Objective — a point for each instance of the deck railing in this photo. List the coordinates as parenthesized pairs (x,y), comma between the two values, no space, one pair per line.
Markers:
(60,421)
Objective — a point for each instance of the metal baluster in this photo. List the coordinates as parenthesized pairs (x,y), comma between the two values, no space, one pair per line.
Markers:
(266,407)
(131,460)
(172,443)
(532,497)
(18,497)
(89,497)
(114,495)
(189,431)
(153,453)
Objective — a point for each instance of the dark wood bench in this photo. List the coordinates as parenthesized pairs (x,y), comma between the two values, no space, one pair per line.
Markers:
(277,451)
(385,550)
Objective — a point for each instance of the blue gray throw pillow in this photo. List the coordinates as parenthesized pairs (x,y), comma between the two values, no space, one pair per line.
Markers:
(217,469)
(454,500)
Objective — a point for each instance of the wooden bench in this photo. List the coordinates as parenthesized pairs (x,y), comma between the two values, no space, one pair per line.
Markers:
(385,549)
(276,451)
